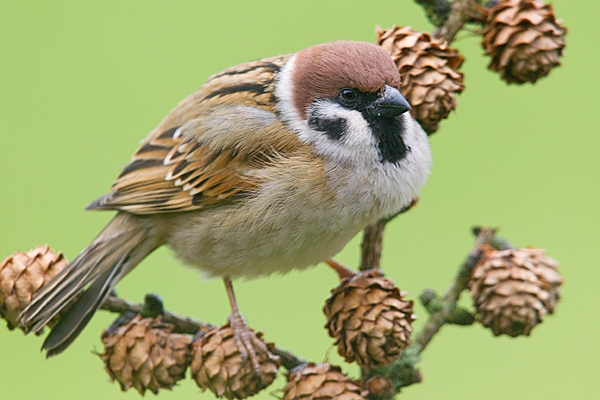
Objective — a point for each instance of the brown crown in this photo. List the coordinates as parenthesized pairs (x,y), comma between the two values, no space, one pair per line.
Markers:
(322,70)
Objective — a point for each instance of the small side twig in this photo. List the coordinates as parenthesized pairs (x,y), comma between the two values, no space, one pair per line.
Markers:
(437,11)
(460,282)
(450,17)
(403,372)
(459,15)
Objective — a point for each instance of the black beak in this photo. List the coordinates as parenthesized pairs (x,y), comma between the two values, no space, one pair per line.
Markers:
(389,104)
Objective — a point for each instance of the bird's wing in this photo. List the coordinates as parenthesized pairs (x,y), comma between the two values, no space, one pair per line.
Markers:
(210,149)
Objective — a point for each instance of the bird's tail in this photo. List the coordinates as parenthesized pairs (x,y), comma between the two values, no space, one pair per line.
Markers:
(121,245)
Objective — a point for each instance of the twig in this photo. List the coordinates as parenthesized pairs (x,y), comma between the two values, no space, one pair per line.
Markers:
(186,325)
(460,14)
(288,359)
(403,372)
(437,11)
(371,246)
(461,281)
(372,243)
(450,17)
(181,324)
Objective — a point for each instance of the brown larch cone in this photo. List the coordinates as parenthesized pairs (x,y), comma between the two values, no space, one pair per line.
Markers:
(146,354)
(218,364)
(369,319)
(429,72)
(320,381)
(513,289)
(524,40)
(22,275)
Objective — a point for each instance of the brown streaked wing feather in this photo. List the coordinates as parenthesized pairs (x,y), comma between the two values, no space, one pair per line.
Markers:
(245,84)
(206,163)
(226,87)
(182,183)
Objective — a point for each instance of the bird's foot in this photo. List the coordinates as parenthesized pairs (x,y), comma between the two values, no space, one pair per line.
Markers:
(247,342)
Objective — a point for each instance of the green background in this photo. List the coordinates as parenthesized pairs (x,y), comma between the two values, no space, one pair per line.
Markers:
(81,84)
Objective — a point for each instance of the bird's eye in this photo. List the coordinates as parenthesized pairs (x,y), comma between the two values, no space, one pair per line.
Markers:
(348,95)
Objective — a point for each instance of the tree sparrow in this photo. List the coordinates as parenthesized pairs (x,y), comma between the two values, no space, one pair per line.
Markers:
(272,165)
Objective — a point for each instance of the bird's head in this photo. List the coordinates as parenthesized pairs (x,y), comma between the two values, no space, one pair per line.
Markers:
(342,97)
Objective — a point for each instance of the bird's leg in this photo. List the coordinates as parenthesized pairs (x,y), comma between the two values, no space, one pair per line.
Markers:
(342,270)
(245,340)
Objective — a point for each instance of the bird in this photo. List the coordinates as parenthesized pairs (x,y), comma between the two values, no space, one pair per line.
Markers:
(270,166)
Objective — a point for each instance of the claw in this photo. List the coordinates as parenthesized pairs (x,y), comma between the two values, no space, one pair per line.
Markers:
(246,341)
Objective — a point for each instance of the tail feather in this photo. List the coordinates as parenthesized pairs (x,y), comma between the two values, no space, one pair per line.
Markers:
(78,316)
(121,245)
(41,306)
(94,260)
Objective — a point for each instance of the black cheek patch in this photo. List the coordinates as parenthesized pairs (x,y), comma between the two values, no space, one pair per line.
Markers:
(334,128)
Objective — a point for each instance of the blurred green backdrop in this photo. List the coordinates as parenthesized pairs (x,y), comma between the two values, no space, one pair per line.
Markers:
(81,83)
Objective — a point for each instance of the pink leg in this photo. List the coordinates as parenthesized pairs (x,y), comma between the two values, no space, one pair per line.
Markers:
(245,340)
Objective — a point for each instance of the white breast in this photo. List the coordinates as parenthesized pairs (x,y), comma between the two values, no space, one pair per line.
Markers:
(367,186)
